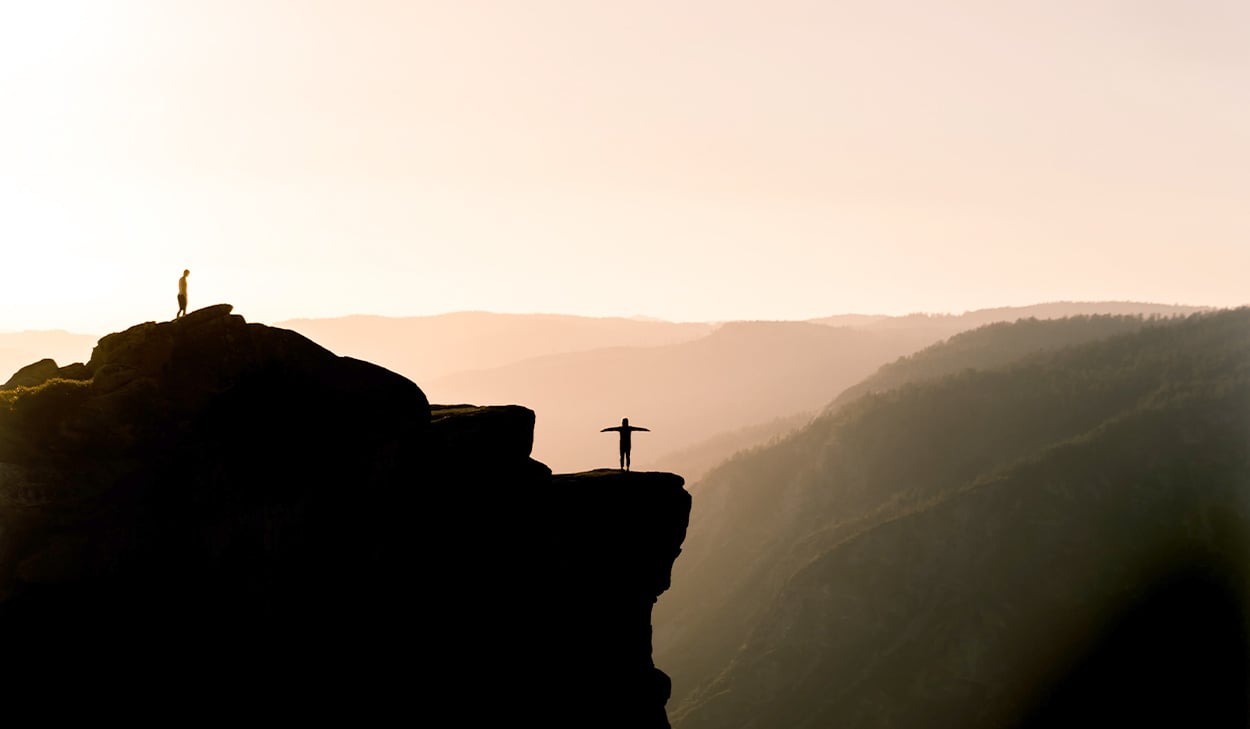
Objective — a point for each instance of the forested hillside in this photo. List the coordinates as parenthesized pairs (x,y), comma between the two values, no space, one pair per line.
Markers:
(949,551)
(993,345)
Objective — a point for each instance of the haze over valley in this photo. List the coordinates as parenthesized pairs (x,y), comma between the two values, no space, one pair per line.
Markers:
(706,389)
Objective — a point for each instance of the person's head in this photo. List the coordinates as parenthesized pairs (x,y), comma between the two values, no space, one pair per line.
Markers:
(186,272)
(624,421)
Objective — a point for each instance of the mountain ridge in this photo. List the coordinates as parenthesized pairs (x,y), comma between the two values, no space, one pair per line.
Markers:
(901,453)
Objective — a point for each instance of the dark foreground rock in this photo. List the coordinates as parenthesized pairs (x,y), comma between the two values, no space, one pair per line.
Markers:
(215,514)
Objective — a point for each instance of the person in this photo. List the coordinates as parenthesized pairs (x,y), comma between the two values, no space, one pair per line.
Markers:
(625,429)
(182,294)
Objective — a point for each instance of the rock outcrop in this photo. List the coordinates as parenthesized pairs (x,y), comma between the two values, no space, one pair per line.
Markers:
(237,515)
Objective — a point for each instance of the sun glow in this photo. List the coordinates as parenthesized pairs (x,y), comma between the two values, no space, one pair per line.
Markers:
(788,160)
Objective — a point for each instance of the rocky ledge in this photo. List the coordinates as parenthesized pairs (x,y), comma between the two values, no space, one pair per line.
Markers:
(235,514)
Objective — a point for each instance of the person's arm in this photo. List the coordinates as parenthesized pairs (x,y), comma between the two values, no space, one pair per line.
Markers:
(646,429)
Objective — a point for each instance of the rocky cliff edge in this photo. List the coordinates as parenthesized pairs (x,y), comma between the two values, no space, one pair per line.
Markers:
(222,513)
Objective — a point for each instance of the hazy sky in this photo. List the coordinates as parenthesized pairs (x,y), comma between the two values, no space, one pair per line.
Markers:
(703,160)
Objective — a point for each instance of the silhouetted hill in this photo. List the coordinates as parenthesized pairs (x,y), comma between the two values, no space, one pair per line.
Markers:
(1055,540)
(992,345)
(229,519)
(429,347)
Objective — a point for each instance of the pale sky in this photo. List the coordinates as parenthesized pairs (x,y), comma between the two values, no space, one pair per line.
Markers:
(705,160)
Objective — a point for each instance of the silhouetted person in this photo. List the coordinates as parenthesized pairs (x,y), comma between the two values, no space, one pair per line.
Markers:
(182,294)
(625,429)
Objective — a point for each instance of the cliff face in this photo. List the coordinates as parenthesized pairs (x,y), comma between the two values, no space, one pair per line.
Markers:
(235,513)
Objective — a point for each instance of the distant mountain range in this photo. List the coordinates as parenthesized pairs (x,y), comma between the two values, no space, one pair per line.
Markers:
(703,388)
(740,374)
(953,323)
(426,348)
(1043,523)
(706,389)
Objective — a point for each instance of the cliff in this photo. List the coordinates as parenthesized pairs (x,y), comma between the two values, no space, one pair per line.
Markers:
(216,513)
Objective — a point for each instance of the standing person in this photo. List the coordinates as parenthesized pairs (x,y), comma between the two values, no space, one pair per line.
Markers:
(182,294)
(625,429)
